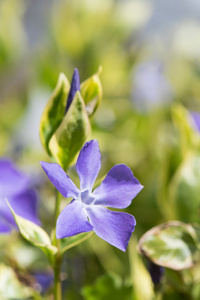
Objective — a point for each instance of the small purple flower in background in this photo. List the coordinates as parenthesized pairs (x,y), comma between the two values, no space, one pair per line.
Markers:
(15,187)
(87,211)
(195,120)
(156,272)
(150,87)
(44,281)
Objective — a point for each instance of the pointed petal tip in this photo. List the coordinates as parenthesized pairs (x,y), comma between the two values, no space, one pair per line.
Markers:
(114,227)
(118,188)
(60,179)
(43,163)
(59,236)
(76,79)
(76,71)
(124,247)
(141,187)
(75,86)
(88,164)
(91,142)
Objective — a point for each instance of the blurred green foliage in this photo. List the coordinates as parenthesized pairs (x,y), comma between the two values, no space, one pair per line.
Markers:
(160,145)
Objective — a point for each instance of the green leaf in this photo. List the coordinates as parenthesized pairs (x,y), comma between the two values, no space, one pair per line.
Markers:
(91,91)
(184,189)
(34,234)
(188,135)
(10,286)
(71,134)
(186,282)
(54,111)
(171,245)
(108,287)
(196,228)
(140,276)
(72,241)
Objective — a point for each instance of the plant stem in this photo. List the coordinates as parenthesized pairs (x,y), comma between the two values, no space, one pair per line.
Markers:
(58,256)
(57,283)
(57,206)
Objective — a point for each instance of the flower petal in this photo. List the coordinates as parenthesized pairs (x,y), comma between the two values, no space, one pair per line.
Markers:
(118,188)
(11,180)
(60,179)
(4,227)
(44,280)
(113,227)
(72,220)
(25,205)
(88,164)
(196,119)
(5,213)
(75,86)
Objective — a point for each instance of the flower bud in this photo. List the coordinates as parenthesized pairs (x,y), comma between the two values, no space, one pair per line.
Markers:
(65,124)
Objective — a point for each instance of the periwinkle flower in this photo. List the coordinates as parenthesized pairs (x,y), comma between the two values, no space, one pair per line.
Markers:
(195,120)
(87,211)
(44,281)
(15,187)
(150,88)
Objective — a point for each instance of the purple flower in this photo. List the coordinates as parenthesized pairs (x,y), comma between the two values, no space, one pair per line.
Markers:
(75,86)
(150,88)
(15,187)
(44,280)
(87,210)
(195,120)
(156,272)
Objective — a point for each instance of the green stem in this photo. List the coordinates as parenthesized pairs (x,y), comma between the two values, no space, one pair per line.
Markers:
(58,257)
(57,282)
(57,206)
(57,261)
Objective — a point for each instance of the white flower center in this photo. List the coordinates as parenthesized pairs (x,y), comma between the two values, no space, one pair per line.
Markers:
(87,197)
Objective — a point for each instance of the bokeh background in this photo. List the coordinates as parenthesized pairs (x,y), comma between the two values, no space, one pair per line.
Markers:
(150,54)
